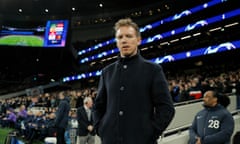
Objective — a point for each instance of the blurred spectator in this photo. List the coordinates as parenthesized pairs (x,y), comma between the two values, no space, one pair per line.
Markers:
(238,91)
(79,102)
(21,116)
(86,133)
(220,123)
(10,119)
(51,130)
(236,138)
(61,121)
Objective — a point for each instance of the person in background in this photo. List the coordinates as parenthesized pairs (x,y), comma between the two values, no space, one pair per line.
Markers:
(22,113)
(79,100)
(10,119)
(34,127)
(238,92)
(61,120)
(33,102)
(214,124)
(236,138)
(86,132)
(133,103)
(21,116)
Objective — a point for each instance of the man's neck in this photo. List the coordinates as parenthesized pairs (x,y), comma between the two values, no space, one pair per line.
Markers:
(129,56)
(86,107)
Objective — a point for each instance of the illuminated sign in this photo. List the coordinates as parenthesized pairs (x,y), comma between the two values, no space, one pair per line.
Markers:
(56,33)
(158,23)
(173,57)
(157,37)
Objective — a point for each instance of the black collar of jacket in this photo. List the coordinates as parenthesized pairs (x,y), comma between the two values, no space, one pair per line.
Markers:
(124,60)
(216,107)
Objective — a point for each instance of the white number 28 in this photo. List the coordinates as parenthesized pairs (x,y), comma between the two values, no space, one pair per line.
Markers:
(213,124)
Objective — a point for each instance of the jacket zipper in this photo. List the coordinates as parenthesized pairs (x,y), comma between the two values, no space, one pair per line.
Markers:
(206,121)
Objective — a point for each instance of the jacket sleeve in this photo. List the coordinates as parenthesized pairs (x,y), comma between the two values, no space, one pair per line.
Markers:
(99,107)
(164,109)
(224,135)
(192,132)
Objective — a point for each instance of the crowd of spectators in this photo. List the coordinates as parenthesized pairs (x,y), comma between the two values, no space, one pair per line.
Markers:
(31,124)
(193,86)
(34,119)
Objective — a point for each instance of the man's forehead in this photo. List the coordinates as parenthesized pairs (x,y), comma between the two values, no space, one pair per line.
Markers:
(208,94)
(125,29)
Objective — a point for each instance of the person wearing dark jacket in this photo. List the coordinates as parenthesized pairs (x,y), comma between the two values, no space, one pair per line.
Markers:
(50,129)
(212,125)
(61,120)
(133,104)
(86,132)
(35,127)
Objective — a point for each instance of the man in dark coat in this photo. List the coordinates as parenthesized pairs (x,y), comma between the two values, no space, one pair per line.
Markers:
(86,133)
(61,120)
(133,104)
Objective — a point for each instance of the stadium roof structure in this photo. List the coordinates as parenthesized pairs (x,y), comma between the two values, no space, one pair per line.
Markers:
(61,7)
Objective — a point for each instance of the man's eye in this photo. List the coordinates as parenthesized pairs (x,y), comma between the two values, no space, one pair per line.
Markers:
(119,37)
(129,36)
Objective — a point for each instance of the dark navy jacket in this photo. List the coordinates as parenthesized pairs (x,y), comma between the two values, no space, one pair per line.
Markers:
(62,113)
(133,105)
(213,125)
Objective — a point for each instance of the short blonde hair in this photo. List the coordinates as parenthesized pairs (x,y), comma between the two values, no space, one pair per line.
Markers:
(127,22)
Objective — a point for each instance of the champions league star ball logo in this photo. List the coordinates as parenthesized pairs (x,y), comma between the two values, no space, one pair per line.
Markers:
(182,14)
(102,54)
(168,58)
(154,38)
(145,28)
(219,48)
(200,23)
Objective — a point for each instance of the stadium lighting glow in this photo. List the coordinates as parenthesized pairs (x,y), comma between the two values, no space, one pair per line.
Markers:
(189,27)
(101,5)
(158,23)
(226,46)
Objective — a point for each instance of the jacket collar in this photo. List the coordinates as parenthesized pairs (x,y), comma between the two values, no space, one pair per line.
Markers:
(129,59)
(218,106)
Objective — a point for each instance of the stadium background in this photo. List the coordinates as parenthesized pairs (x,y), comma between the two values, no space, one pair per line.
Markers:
(29,70)
(91,23)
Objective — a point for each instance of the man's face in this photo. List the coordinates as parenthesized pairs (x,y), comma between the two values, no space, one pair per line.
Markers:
(209,99)
(127,41)
(35,99)
(61,96)
(8,111)
(90,103)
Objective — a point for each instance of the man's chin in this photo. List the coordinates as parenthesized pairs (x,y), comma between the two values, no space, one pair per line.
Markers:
(127,54)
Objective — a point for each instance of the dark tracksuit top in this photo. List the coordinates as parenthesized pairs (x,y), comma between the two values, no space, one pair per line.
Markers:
(213,125)
(133,105)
